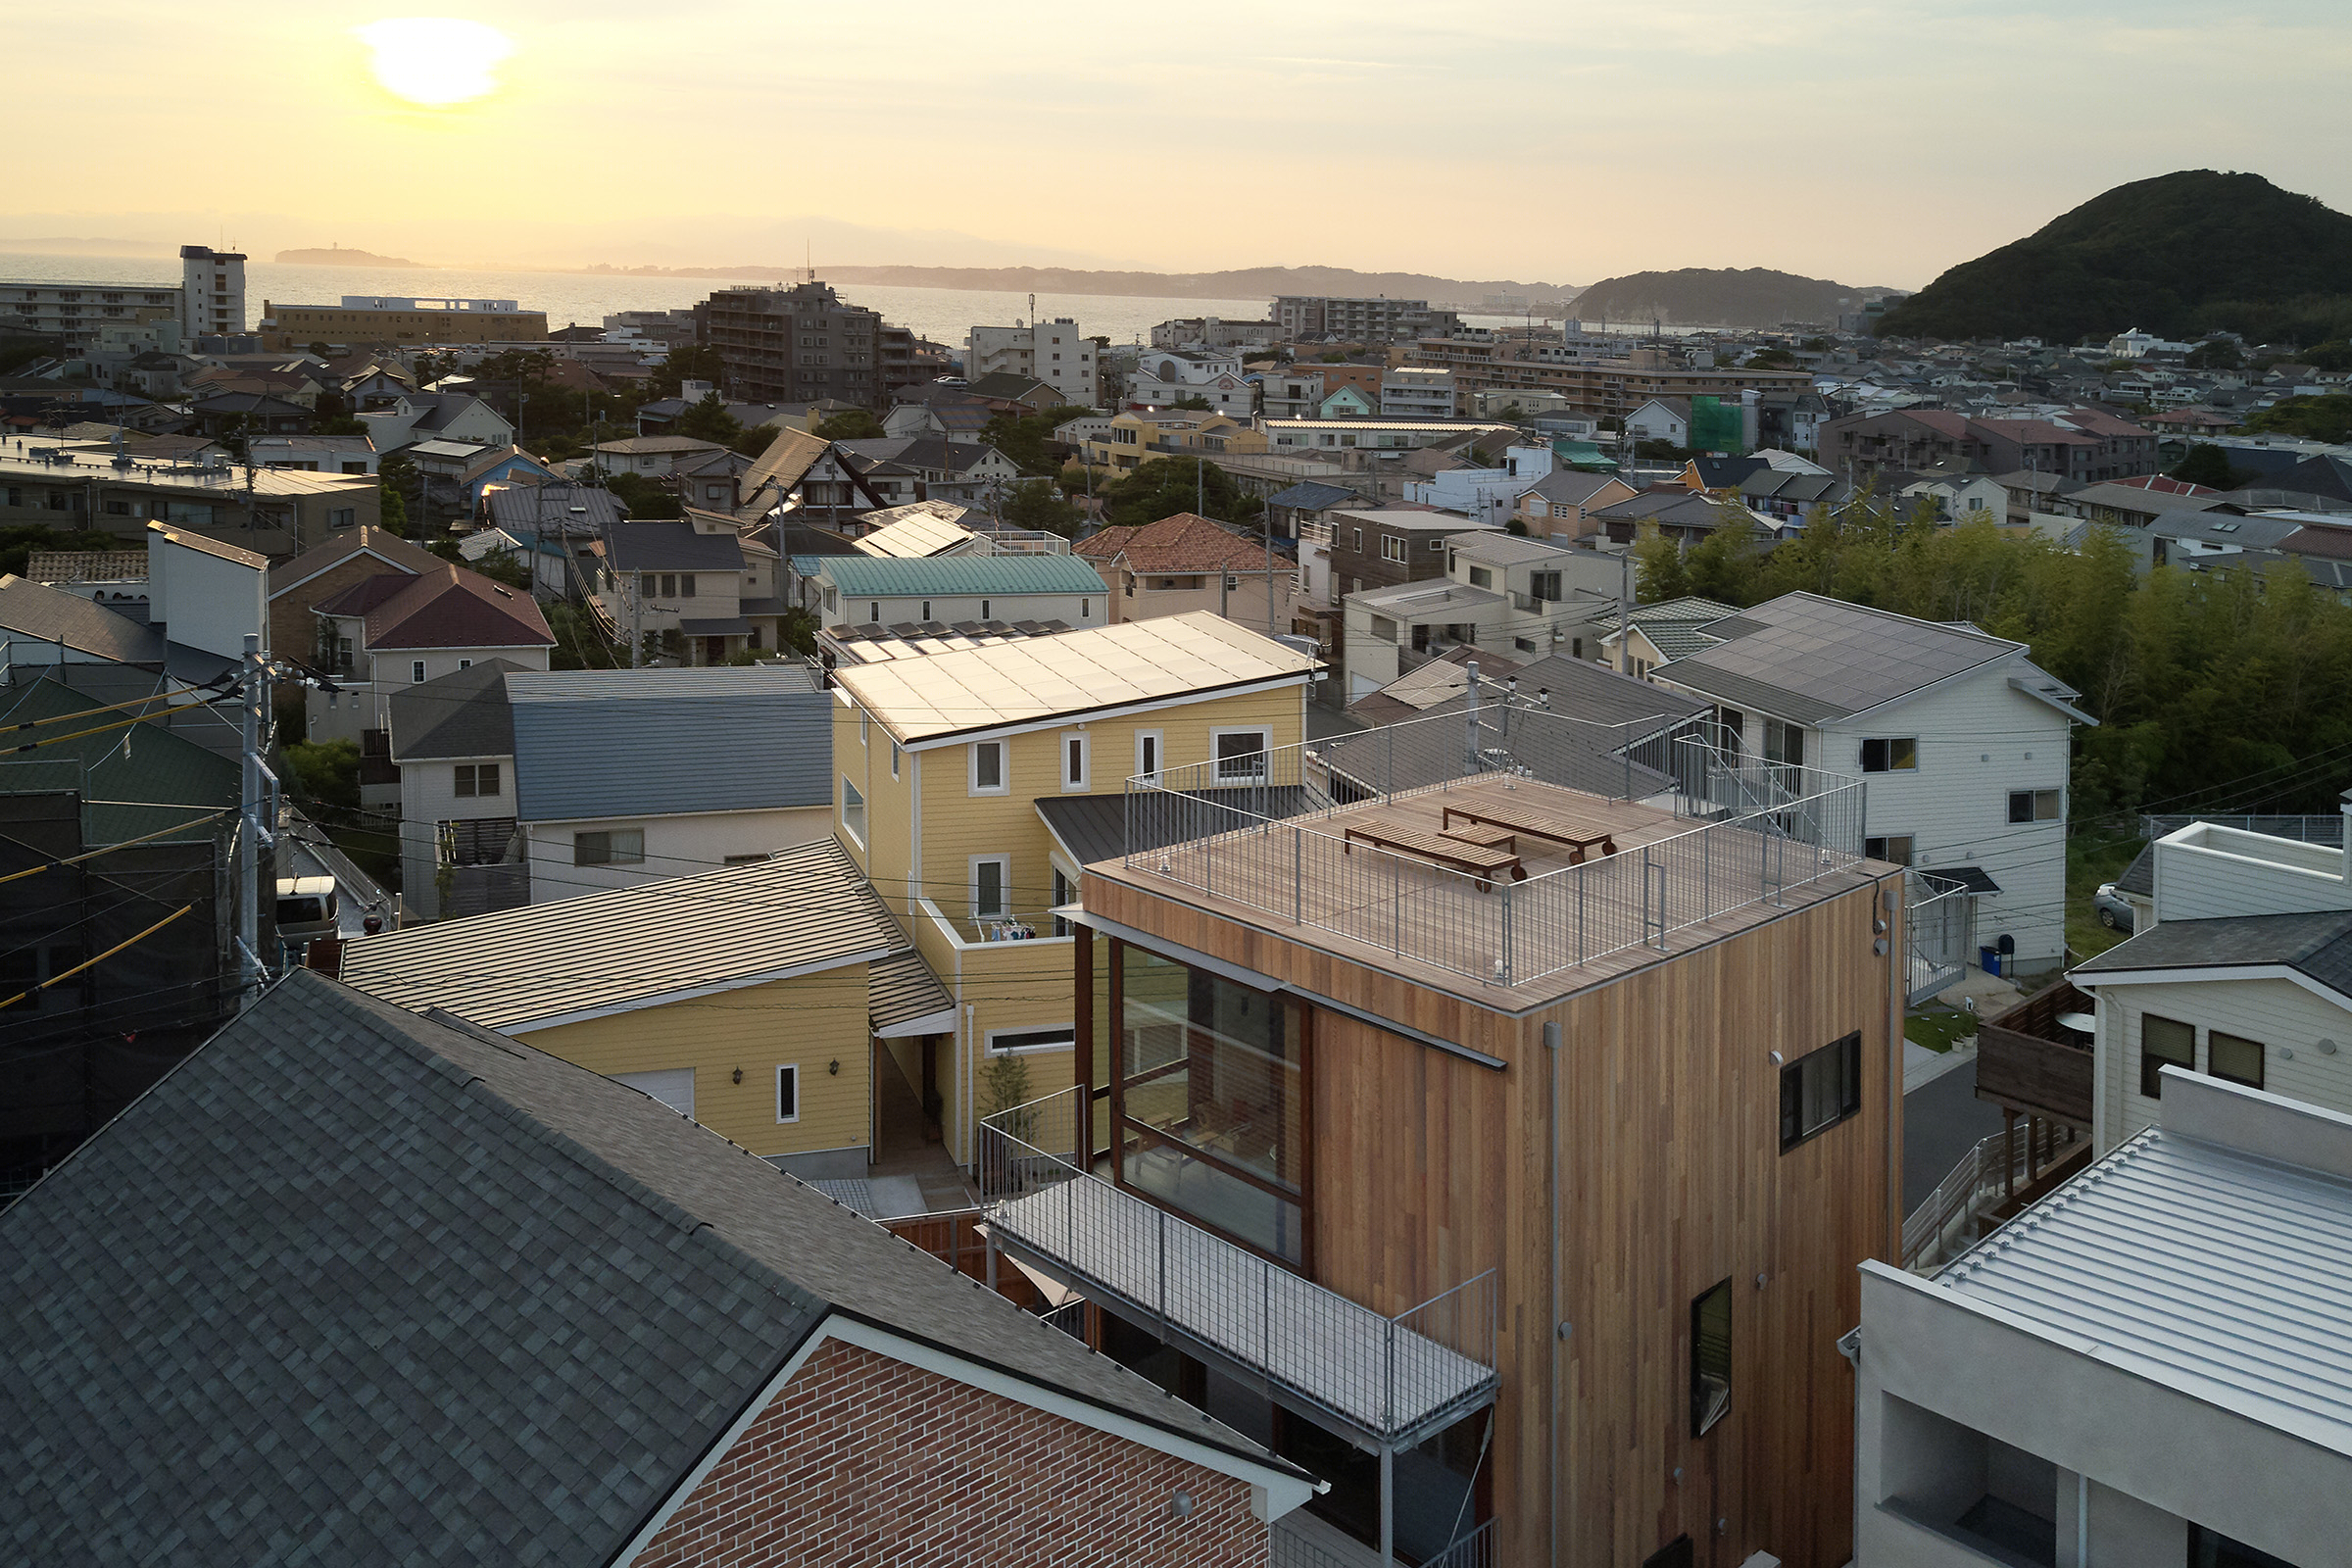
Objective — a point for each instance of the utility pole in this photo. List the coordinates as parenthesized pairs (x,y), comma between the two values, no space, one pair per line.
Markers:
(259,817)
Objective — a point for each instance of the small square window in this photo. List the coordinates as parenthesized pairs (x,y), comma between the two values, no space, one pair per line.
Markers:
(2036,805)
(788,1093)
(2164,1042)
(2234,1057)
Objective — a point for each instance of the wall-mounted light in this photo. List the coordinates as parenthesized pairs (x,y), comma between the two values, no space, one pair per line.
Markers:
(1878,946)
(833,1067)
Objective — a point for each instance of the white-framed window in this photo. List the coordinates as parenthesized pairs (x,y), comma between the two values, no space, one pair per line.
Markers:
(619,846)
(853,811)
(1240,754)
(464,663)
(992,886)
(1077,761)
(1392,548)
(1149,745)
(1891,755)
(416,671)
(476,779)
(1085,609)
(990,769)
(788,1091)
(865,727)
(1032,1040)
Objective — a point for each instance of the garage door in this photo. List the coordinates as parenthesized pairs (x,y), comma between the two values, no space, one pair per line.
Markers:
(673,1088)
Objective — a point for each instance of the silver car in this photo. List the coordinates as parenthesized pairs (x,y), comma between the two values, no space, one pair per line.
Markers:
(2111,908)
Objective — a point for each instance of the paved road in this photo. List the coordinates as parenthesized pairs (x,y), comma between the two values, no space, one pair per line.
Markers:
(1941,1120)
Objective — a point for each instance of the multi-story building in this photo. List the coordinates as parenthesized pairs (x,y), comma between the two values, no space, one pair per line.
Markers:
(1494,1122)
(1417,392)
(397,629)
(1381,547)
(208,301)
(2083,445)
(1608,388)
(384,319)
(1054,352)
(1169,377)
(1523,597)
(1333,438)
(802,343)
(1134,438)
(276,512)
(1320,316)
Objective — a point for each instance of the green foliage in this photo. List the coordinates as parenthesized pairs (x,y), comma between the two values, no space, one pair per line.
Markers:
(755,440)
(644,497)
(2182,254)
(17,543)
(1661,450)
(1195,401)
(2320,418)
(1658,569)
(447,550)
(851,424)
(2207,464)
(1023,439)
(326,771)
(709,420)
(580,639)
(392,512)
(1039,503)
(1516,528)
(1007,1081)
(2215,354)
(1772,359)
(504,565)
(796,629)
(1334,359)
(1165,486)
(688,361)
(342,427)
(2336,356)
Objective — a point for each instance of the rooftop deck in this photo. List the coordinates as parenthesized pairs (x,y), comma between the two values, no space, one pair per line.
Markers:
(1349,839)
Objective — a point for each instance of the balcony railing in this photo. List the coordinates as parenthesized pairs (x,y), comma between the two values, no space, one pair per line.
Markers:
(2036,1057)
(1393,1379)
(1940,920)
(1256,830)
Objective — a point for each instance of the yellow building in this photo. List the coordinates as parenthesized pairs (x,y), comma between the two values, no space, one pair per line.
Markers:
(754,999)
(972,784)
(1137,437)
(399,321)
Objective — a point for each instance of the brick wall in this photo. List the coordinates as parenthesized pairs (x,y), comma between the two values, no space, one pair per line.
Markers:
(861,1460)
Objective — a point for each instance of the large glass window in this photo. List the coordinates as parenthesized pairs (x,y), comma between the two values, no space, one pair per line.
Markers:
(1820,1089)
(1211,1101)
(2164,1042)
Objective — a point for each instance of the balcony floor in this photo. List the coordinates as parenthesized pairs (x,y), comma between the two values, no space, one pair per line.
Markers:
(1293,1331)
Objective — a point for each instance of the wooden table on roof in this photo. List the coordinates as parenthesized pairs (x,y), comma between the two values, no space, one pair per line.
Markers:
(1577,836)
(1481,861)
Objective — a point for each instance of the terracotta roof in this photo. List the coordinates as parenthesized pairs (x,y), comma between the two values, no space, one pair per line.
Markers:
(1185,542)
(2336,543)
(451,608)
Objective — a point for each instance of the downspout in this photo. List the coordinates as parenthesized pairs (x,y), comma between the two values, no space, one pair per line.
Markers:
(1559,1327)
(1897,997)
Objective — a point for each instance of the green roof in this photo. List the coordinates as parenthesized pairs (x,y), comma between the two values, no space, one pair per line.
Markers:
(161,768)
(879,577)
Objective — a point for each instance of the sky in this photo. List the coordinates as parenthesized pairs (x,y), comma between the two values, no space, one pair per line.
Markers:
(1559,141)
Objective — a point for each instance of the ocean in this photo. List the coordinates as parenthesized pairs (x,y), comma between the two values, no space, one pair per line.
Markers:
(943,314)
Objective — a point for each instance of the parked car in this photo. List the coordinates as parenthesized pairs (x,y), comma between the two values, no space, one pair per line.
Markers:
(2111,908)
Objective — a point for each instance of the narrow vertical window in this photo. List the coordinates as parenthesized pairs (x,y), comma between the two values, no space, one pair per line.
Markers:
(1710,1358)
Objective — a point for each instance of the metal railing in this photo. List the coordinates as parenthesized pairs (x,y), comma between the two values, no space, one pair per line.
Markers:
(1980,1175)
(1937,928)
(1394,1378)
(1255,829)
(1474,1548)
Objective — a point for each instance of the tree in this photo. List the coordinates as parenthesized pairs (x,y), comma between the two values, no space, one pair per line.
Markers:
(709,421)
(688,361)
(1023,437)
(1724,565)
(2208,465)
(403,485)
(2335,356)
(1658,570)
(1775,358)
(851,424)
(1194,401)
(1167,486)
(643,497)
(503,566)
(392,512)
(755,440)
(1039,503)
(518,376)
(2320,418)
(2215,354)
(18,541)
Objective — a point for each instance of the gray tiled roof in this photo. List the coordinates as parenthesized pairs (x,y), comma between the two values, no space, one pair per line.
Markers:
(2317,946)
(1312,495)
(460,715)
(42,614)
(2140,875)
(353,1285)
(1808,659)
(667,546)
(619,743)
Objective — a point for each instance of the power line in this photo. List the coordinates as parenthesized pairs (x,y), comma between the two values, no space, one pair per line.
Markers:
(101,958)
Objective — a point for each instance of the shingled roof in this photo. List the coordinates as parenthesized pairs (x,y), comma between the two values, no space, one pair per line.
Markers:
(360,1286)
(1183,543)
(451,608)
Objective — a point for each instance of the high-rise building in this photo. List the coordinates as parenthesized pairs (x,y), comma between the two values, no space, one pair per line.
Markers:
(802,343)
(209,300)
(1054,352)
(212,291)
(1379,320)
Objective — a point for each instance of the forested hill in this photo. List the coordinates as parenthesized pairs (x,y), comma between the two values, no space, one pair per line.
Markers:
(2179,254)
(1701,296)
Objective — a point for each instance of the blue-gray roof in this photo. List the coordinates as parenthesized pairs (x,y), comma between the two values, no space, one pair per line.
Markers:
(879,577)
(612,743)
(1312,495)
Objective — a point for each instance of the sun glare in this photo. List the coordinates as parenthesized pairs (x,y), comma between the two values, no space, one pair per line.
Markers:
(435,61)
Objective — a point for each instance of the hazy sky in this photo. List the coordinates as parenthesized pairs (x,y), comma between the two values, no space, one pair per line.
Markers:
(1873,143)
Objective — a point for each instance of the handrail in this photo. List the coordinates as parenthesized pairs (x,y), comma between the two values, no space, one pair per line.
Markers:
(1972,1178)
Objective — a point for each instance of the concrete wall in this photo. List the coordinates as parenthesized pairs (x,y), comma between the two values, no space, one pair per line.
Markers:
(207,601)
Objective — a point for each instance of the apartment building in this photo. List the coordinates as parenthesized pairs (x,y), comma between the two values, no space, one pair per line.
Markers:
(1054,352)
(384,319)
(1417,392)
(2084,445)
(1137,436)
(1321,317)
(1403,1033)
(1169,377)
(804,343)
(1381,547)
(208,301)
(73,484)
(1608,388)
(974,782)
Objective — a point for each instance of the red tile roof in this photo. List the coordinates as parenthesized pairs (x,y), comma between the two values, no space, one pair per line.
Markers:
(1183,543)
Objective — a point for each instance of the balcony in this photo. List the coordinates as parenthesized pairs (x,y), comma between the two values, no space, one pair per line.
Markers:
(2037,1059)
(1612,840)
(1384,1381)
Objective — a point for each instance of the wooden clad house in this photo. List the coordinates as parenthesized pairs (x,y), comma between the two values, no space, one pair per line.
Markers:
(1492,1124)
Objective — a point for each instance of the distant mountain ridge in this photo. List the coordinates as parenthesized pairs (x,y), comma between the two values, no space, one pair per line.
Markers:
(1708,296)
(1234,284)
(336,256)
(2179,254)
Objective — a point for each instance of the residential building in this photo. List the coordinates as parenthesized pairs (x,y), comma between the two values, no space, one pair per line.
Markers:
(1212,333)
(1666,419)
(1380,547)
(862,590)
(941,411)
(1673,510)
(414,416)
(1523,597)
(898,469)
(209,300)
(2034,1399)
(1384,437)
(973,783)
(1137,436)
(271,512)
(522,786)
(385,322)
(1292,391)
(1417,392)
(696,1359)
(1315,317)
(1013,393)
(1963,741)
(798,344)
(650,456)
(1668,629)
(313,454)
(1556,506)
(398,629)
(694,588)
(1964,497)
(297,587)
(2083,445)
(1187,561)
(230,412)
(1422,1094)
(1605,388)
(1054,352)
(1169,376)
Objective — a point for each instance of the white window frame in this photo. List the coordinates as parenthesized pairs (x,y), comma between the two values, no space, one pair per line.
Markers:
(2033,796)
(857,833)
(787,1072)
(1003,783)
(990,1046)
(971,887)
(894,761)
(1391,541)
(416,671)
(1265,748)
(1085,748)
(1150,767)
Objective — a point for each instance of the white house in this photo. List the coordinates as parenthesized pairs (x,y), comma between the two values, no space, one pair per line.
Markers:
(1961,741)
(1490,495)
(1165,378)
(313,454)
(1522,598)
(436,417)
(2147,1368)
(1665,419)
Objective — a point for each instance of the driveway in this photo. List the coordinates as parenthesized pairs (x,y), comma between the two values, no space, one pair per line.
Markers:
(1941,1119)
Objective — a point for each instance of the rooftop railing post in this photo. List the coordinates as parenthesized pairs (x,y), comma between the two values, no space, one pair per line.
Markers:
(1389,781)
(1164,1272)
(1396,904)
(1506,930)
(1298,882)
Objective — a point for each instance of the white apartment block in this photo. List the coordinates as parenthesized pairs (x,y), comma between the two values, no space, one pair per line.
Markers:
(1417,392)
(209,300)
(1056,352)
(1167,377)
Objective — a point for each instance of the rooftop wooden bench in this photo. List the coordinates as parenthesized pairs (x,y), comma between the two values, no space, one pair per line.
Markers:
(1479,860)
(1577,836)
(1492,838)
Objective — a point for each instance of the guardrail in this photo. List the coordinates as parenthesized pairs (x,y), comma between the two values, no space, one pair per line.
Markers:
(1986,1169)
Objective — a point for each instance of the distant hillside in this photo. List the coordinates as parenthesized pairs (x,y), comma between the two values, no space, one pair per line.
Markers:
(2182,254)
(1238,284)
(336,256)
(1704,296)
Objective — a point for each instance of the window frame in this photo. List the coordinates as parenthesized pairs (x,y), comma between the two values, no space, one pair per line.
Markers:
(2151,1066)
(2034,799)
(1886,745)
(854,806)
(1392,547)
(2213,1059)
(971,885)
(468,779)
(1886,843)
(416,671)
(1066,1039)
(1707,1412)
(1794,1134)
(1003,783)
(1264,752)
(787,1072)
(1158,762)
(608,857)
(1075,745)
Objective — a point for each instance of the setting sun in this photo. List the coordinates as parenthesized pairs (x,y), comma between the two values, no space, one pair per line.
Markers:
(435,61)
